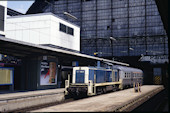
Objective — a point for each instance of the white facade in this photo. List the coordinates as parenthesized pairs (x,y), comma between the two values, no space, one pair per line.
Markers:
(42,29)
(4,4)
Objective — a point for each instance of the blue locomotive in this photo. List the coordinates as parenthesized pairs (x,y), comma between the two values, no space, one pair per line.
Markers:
(96,80)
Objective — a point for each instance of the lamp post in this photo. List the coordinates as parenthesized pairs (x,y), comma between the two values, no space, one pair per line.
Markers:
(128,50)
(131,49)
(111,39)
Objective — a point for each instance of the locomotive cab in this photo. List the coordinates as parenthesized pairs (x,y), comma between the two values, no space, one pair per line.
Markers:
(79,85)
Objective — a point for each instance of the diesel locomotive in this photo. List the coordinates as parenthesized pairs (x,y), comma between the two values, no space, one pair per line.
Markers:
(96,80)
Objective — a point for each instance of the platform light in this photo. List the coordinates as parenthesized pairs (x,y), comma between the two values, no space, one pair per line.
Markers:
(70,15)
(123,51)
(131,49)
(154,52)
(114,39)
(5,56)
(96,53)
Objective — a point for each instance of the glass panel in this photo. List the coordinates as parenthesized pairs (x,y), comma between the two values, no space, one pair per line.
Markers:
(62,27)
(70,31)
(80,74)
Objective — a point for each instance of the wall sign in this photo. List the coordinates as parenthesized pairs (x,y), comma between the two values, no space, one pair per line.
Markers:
(6,76)
(161,59)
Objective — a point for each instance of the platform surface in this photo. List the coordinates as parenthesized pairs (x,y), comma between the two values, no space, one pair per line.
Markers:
(21,100)
(104,102)
(29,93)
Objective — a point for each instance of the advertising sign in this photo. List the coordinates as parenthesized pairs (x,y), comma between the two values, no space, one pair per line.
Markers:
(0,57)
(6,76)
(48,73)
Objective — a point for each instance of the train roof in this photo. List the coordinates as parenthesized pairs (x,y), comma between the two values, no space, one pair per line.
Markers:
(127,69)
(91,67)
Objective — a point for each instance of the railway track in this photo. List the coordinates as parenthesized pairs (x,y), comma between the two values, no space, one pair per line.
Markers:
(158,103)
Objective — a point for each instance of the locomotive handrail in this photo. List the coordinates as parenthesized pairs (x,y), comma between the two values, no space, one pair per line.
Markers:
(107,83)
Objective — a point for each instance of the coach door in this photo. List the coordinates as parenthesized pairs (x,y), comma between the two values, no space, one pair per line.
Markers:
(132,74)
(118,74)
(116,78)
(157,76)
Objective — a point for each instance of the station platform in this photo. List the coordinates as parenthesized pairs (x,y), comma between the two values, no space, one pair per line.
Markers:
(119,101)
(20,100)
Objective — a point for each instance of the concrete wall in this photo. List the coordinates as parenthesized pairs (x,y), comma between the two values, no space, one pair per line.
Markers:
(42,29)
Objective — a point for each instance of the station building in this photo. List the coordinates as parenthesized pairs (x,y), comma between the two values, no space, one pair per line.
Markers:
(44,29)
(125,30)
(110,29)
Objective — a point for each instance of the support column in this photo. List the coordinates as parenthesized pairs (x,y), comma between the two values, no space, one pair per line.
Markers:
(96,39)
(128,29)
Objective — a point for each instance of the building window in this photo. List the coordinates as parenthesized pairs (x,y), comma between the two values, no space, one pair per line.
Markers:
(66,29)
(70,31)
(2,18)
(63,28)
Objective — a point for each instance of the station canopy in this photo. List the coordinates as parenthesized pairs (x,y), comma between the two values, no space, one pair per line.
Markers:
(22,49)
